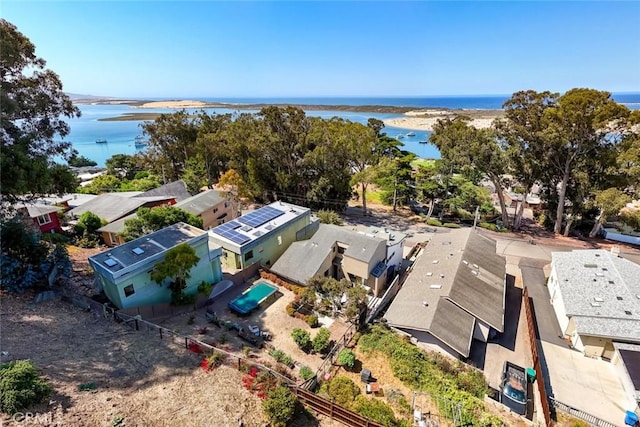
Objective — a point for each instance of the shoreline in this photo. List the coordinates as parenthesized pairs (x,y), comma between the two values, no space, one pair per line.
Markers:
(408,117)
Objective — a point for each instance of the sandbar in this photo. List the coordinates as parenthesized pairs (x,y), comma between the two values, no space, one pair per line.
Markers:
(425,119)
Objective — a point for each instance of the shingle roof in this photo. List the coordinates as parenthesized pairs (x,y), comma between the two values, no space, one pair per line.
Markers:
(176,190)
(601,291)
(36,210)
(201,201)
(460,267)
(111,206)
(303,259)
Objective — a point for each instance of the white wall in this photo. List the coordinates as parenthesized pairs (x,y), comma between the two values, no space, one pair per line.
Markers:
(426,341)
(557,302)
(481,331)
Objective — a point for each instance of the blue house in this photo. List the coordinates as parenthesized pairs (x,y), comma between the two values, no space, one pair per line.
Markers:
(123,272)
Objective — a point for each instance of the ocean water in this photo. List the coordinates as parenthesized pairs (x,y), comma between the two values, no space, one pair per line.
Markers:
(120,135)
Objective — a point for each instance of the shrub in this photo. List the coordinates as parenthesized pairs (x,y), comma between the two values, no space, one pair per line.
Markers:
(281,357)
(451,225)
(341,390)
(312,320)
(321,340)
(488,226)
(434,222)
(20,386)
(306,373)
(301,337)
(205,288)
(376,410)
(329,217)
(280,406)
(212,361)
(290,309)
(347,358)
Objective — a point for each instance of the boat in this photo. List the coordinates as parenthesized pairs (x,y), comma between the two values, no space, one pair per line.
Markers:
(139,141)
(423,142)
(411,134)
(101,141)
(400,136)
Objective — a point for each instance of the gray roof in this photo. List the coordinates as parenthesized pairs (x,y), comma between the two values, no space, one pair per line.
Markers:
(176,189)
(122,259)
(117,226)
(302,260)
(201,201)
(460,267)
(601,291)
(36,210)
(112,206)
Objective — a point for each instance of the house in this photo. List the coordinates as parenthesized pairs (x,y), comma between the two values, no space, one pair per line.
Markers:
(596,297)
(262,235)
(395,247)
(45,217)
(176,190)
(123,272)
(627,366)
(213,206)
(113,206)
(336,252)
(455,293)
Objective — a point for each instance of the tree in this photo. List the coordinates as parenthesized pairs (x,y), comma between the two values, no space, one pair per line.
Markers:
(522,133)
(21,386)
(582,121)
(280,406)
(331,288)
(463,145)
(87,229)
(31,105)
(341,390)
(80,161)
(610,202)
(356,302)
(102,184)
(149,220)
(124,166)
(361,143)
(177,264)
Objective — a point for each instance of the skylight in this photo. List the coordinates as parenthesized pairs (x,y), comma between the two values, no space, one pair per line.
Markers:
(137,251)
(110,263)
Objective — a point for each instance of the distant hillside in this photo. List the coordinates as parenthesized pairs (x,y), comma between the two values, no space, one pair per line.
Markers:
(76,96)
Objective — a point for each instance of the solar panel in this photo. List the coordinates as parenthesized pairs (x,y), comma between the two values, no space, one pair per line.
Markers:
(257,218)
(235,237)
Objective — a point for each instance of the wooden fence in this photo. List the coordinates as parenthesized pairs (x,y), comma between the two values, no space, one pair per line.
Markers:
(332,410)
(533,343)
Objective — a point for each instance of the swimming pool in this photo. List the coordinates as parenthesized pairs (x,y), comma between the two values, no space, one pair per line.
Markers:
(252,298)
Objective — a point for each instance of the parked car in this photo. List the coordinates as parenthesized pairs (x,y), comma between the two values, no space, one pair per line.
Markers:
(513,388)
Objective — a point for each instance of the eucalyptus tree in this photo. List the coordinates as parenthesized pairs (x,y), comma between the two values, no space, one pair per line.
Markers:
(577,126)
(521,131)
(360,141)
(212,146)
(32,107)
(463,145)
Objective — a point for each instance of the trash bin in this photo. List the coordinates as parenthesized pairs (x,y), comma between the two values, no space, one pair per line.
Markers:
(630,419)
(365,375)
(531,375)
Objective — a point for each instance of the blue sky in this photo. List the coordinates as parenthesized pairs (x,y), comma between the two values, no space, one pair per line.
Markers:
(313,48)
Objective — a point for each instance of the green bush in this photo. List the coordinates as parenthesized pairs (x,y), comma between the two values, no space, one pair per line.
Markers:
(488,226)
(329,217)
(280,406)
(301,337)
(312,320)
(434,222)
(20,386)
(429,372)
(347,358)
(341,390)
(376,410)
(204,288)
(451,225)
(306,373)
(321,340)
(281,357)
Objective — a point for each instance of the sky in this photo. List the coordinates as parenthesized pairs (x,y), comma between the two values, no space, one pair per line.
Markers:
(340,48)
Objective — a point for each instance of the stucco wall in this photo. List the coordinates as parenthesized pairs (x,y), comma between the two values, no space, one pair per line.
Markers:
(210,218)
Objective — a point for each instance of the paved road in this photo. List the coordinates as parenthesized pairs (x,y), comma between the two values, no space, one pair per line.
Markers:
(547,323)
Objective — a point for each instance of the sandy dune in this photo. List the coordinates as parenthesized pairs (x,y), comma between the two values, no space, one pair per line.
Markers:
(427,123)
(173,104)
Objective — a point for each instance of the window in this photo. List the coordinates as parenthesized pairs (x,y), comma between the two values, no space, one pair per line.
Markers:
(128,291)
(44,219)
(279,240)
(248,255)
(114,238)
(260,249)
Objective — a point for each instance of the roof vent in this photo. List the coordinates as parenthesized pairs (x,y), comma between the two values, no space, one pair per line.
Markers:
(611,282)
(605,269)
(598,255)
(435,287)
(475,273)
(591,265)
(426,304)
(465,262)
(475,266)
(429,274)
(595,304)
(619,298)
(598,299)
(600,274)
(627,312)
(446,243)
(137,251)
(435,261)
